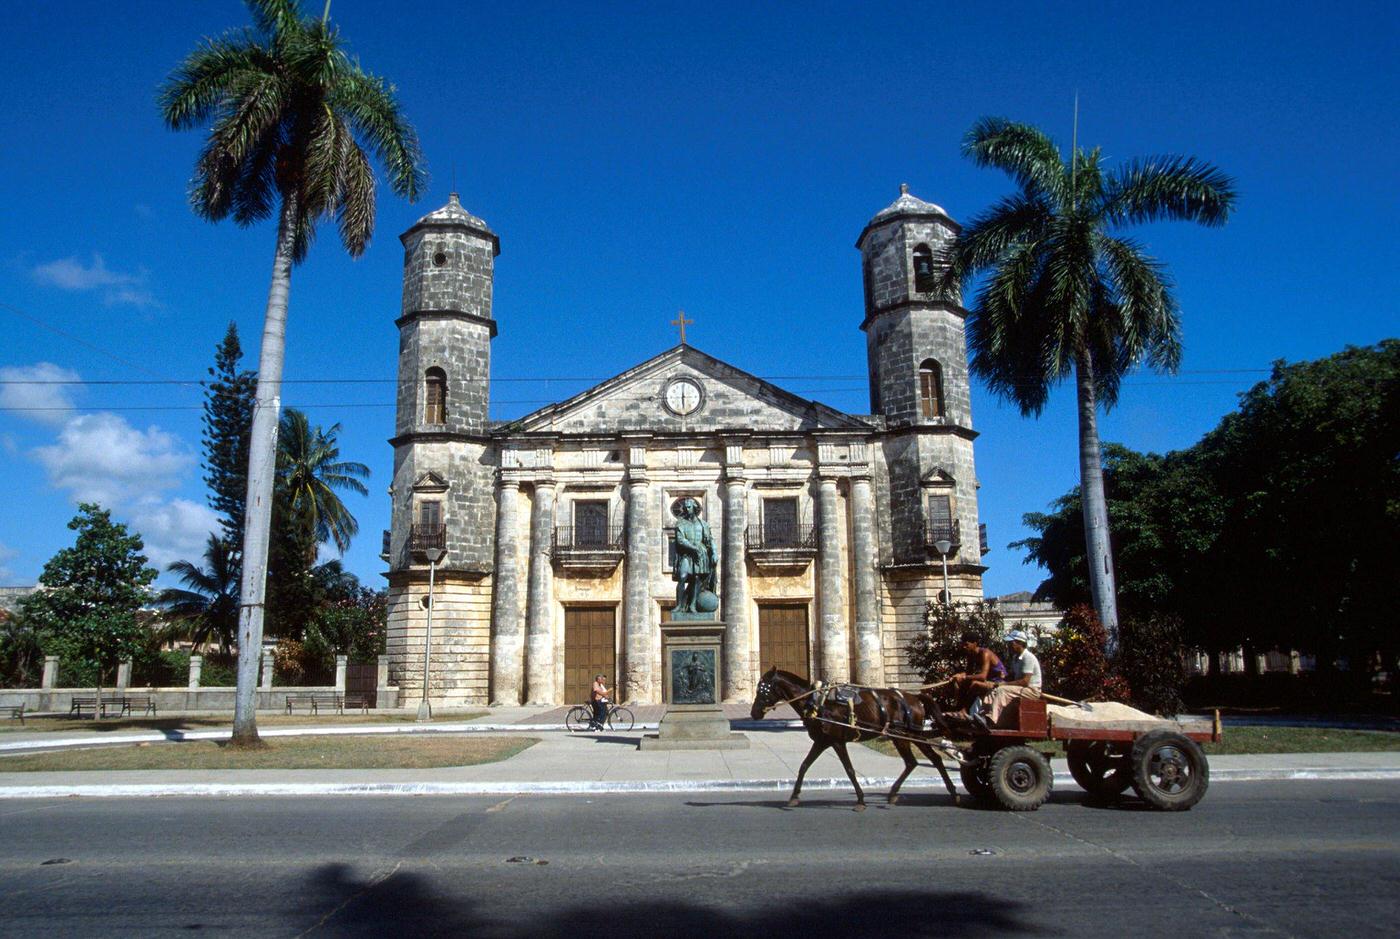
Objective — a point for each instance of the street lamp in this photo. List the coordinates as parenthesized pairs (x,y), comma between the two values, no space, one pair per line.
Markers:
(434,554)
(943,546)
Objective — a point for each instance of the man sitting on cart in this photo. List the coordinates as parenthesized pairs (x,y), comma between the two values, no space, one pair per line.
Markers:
(983,667)
(1024,681)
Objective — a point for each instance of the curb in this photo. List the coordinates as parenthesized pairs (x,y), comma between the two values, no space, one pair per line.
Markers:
(589,787)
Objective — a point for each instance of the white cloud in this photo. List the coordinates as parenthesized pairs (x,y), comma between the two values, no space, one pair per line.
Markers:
(177,530)
(117,287)
(101,458)
(30,390)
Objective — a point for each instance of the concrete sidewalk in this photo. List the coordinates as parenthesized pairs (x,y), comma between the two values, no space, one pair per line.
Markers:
(602,763)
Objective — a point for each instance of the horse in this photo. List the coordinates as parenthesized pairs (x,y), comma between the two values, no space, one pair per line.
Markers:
(840,714)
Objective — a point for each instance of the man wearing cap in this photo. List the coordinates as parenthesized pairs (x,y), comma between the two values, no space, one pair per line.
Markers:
(1025,676)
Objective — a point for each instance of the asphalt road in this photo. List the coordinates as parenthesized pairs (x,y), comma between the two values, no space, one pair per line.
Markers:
(1296,858)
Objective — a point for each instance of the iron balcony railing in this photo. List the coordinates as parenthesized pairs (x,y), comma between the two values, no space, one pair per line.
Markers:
(425,538)
(589,538)
(762,537)
(386,544)
(943,531)
(984,546)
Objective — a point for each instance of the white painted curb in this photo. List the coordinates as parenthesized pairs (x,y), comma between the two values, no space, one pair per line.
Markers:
(589,787)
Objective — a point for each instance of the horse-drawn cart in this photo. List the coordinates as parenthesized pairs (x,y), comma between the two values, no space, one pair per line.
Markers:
(1109,747)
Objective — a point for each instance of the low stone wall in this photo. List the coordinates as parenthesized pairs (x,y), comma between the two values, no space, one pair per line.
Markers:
(173,699)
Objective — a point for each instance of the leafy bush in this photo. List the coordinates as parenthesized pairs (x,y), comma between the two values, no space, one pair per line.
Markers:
(156,668)
(1073,662)
(21,654)
(935,652)
(288,662)
(1151,652)
(219,671)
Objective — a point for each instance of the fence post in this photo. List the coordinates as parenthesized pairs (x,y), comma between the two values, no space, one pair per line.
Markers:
(196,666)
(123,674)
(266,683)
(341,661)
(50,678)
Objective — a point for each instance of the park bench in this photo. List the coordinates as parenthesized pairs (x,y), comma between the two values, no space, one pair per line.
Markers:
(122,704)
(357,699)
(15,711)
(314,702)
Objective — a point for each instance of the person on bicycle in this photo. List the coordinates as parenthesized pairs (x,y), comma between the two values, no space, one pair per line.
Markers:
(599,696)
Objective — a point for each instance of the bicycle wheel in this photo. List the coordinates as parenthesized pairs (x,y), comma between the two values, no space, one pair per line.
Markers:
(579,718)
(620,718)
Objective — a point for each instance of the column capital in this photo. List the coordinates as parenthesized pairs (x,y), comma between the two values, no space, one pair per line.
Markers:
(509,479)
(637,476)
(544,480)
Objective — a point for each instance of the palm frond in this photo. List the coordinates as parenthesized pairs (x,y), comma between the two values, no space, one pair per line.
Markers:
(1169,188)
(369,106)
(199,85)
(987,238)
(277,17)
(1023,152)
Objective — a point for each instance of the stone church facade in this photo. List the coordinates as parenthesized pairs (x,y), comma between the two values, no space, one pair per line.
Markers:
(553,529)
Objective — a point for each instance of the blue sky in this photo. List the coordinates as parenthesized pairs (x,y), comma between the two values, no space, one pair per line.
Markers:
(636,159)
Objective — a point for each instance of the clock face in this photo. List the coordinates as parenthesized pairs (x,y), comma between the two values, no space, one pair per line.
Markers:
(683,396)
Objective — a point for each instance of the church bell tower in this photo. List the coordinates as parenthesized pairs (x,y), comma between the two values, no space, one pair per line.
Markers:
(917,362)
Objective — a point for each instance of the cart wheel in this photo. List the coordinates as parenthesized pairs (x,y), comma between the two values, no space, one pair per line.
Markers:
(1100,768)
(976,780)
(579,718)
(1169,770)
(1020,778)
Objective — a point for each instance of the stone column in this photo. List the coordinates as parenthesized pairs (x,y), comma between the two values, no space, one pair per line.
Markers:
(539,638)
(50,673)
(507,634)
(266,678)
(196,666)
(341,663)
(123,675)
(869,658)
(738,678)
(638,674)
(835,651)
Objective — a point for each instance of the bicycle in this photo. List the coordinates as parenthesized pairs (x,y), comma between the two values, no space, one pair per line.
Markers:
(580,718)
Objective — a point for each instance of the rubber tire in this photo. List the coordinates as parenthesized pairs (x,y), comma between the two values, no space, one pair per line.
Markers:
(1084,755)
(1181,753)
(578,719)
(975,780)
(621,719)
(1021,778)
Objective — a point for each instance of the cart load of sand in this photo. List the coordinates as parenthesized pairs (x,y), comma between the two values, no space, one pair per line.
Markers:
(1110,715)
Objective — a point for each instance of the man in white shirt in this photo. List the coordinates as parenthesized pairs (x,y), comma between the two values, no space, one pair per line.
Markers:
(1024,682)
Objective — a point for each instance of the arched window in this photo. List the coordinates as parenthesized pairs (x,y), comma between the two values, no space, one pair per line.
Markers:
(923,269)
(931,389)
(435,396)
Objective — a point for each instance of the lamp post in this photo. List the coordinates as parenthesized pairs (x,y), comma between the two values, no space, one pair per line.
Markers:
(943,546)
(434,554)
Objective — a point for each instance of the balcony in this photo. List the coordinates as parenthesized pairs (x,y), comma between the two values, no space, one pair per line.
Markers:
(385,549)
(941,530)
(779,547)
(983,546)
(588,548)
(423,539)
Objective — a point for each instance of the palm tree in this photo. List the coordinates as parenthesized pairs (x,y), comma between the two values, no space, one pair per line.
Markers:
(1066,292)
(208,608)
(310,472)
(290,118)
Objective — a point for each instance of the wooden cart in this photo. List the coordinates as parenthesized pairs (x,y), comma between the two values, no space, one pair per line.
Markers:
(1161,760)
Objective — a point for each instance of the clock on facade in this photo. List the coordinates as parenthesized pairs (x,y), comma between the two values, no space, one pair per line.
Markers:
(683,397)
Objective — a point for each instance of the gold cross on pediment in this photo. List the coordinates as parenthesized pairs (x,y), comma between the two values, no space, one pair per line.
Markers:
(682,322)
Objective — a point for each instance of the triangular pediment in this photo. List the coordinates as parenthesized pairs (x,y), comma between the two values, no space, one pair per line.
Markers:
(729,399)
(430,482)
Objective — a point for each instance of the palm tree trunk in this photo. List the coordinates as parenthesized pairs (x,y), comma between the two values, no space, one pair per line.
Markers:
(262,453)
(1098,551)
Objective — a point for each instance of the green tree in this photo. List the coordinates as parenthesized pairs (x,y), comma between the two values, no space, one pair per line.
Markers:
(1066,293)
(206,608)
(88,611)
(228,424)
(311,474)
(291,116)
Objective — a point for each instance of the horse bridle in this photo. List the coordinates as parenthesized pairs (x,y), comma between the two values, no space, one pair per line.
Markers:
(765,687)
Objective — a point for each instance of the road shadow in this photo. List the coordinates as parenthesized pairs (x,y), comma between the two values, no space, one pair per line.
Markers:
(337,903)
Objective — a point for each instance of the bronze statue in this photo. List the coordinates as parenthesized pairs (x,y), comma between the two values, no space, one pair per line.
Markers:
(694,572)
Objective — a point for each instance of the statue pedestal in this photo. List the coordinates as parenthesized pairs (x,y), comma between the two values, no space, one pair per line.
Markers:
(692,652)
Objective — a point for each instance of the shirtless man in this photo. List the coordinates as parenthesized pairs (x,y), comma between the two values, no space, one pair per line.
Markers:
(984,668)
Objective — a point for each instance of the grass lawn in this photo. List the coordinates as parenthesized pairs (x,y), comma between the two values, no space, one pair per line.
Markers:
(1259,740)
(377,752)
(214,721)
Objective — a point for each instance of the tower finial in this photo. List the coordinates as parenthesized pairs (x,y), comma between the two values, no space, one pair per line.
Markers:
(904,189)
